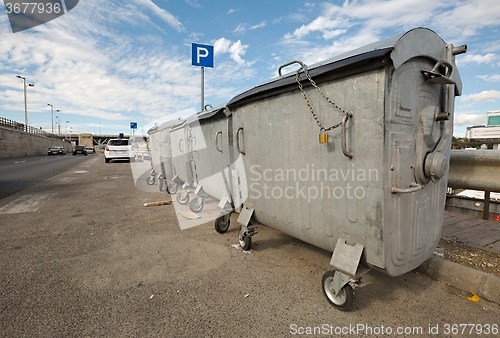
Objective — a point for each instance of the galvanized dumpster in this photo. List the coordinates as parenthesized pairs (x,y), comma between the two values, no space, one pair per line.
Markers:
(351,155)
(210,153)
(182,162)
(161,153)
(154,154)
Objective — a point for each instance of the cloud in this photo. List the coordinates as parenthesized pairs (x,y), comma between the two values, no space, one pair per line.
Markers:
(490,78)
(328,27)
(163,14)
(351,24)
(260,25)
(487,95)
(235,49)
(240,29)
(479,59)
(469,119)
(193,3)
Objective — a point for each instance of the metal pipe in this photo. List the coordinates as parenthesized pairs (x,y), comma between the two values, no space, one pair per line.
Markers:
(460,49)
(474,169)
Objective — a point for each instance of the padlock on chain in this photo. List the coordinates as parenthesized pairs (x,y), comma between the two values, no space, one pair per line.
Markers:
(323,136)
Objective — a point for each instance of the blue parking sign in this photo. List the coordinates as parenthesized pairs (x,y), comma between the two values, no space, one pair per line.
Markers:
(133,125)
(202,55)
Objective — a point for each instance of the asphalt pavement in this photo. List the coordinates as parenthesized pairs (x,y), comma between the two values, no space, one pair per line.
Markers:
(17,173)
(81,256)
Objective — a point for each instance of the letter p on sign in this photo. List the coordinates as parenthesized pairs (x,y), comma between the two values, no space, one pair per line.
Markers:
(202,55)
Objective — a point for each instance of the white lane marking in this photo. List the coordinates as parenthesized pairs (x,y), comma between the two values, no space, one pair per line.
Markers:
(26,203)
(17,162)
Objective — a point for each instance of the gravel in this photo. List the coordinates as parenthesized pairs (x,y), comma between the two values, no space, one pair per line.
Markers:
(476,258)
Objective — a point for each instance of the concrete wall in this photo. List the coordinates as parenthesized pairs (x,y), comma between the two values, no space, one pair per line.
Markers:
(20,143)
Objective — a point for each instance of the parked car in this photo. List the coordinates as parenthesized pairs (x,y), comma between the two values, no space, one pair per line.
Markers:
(91,150)
(56,151)
(119,149)
(80,150)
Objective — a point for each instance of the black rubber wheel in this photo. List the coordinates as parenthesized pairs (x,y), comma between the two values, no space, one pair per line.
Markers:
(172,188)
(196,205)
(344,299)
(151,180)
(222,223)
(245,240)
(106,160)
(182,200)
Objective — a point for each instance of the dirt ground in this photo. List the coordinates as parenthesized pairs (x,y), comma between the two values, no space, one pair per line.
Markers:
(476,258)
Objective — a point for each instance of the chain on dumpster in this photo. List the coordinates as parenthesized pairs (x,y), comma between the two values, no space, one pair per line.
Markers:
(323,136)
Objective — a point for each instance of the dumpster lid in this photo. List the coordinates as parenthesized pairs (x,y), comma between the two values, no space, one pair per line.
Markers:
(168,124)
(402,47)
(178,125)
(206,114)
(152,130)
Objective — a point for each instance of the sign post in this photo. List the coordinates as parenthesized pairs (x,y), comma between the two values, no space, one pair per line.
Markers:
(133,126)
(203,56)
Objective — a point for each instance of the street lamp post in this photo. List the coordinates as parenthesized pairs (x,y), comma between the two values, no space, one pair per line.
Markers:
(52,117)
(67,130)
(25,101)
(58,123)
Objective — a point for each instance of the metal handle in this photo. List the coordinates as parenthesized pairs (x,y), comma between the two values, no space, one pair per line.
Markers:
(208,105)
(449,67)
(238,141)
(434,76)
(413,187)
(192,142)
(303,66)
(217,141)
(181,145)
(346,152)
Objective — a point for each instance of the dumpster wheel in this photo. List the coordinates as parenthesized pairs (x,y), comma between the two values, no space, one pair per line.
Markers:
(222,223)
(151,180)
(245,239)
(196,205)
(183,200)
(172,188)
(344,299)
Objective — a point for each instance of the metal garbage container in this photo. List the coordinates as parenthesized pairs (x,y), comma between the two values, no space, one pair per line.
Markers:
(180,135)
(161,153)
(210,153)
(351,155)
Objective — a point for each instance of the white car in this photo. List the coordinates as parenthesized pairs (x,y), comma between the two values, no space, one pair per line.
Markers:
(119,149)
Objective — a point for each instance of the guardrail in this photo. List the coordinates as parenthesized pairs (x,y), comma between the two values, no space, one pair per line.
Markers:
(22,127)
(478,170)
(143,155)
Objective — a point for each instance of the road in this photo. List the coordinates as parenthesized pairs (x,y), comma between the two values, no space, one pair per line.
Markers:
(17,173)
(81,256)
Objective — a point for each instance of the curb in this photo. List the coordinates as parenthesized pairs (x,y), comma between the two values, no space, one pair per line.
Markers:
(462,277)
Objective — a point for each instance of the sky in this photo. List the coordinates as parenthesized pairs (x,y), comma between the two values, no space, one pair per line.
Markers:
(105,64)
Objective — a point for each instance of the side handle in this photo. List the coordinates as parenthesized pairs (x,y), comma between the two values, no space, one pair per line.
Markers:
(217,141)
(238,132)
(412,188)
(346,152)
